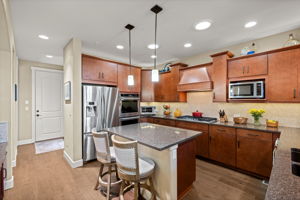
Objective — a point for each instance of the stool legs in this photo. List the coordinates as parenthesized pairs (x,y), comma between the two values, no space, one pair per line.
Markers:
(100,173)
(152,188)
(108,184)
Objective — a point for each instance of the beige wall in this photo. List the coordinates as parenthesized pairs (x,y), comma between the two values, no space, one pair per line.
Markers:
(8,77)
(288,114)
(72,109)
(25,94)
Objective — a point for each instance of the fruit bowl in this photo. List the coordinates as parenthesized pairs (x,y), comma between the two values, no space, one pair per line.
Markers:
(272,123)
(240,120)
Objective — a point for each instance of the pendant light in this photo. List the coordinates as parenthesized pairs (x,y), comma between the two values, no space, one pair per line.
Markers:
(130,79)
(155,74)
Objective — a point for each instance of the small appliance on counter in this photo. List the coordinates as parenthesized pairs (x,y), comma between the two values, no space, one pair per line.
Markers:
(148,110)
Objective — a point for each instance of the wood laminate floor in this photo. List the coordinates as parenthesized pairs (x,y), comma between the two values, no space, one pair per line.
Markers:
(49,177)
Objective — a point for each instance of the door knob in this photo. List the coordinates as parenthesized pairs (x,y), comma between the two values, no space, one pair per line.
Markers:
(37,115)
(37,110)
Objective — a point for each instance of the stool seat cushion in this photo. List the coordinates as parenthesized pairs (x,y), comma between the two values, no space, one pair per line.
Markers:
(146,166)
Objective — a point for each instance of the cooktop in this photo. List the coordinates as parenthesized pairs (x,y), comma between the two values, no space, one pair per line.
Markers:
(199,119)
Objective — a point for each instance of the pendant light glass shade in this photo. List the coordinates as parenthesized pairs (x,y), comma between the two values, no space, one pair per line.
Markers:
(130,80)
(155,75)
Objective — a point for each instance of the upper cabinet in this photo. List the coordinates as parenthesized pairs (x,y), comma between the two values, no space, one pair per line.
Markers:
(248,66)
(123,72)
(166,89)
(147,92)
(98,71)
(284,76)
(220,76)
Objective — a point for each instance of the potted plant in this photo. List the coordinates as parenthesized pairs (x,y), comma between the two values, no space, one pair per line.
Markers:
(256,114)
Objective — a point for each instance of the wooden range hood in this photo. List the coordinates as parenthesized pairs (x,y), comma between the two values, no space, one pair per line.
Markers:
(196,78)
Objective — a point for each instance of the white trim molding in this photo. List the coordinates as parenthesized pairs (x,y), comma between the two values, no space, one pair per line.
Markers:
(28,141)
(73,164)
(14,163)
(8,184)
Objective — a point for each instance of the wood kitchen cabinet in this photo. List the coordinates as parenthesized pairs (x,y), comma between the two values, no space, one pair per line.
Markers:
(166,89)
(249,66)
(254,151)
(220,76)
(147,92)
(146,119)
(202,140)
(98,71)
(222,144)
(284,76)
(123,72)
(165,122)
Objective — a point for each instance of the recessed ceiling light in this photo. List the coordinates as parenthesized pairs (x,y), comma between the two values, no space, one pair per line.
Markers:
(187,45)
(203,25)
(49,56)
(153,46)
(120,47)
(153,56)
(250,24)
(44,37)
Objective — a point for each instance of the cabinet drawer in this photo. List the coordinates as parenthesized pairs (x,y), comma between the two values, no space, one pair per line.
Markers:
(222,129)
(254,134)
(146,119)
(166,122)
(192,126)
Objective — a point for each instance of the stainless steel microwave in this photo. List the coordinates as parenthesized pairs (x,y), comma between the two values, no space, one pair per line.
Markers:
(247,90)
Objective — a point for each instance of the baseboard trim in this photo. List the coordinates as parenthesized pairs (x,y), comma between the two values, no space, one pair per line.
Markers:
(8,184)
(28,141)
(14,163)
(73,164)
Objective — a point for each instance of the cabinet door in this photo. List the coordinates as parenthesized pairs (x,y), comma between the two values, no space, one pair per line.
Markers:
(123,72)
(283,76)
(147,91)
(99,71)
(254,151)
(252,66)
(222,145)
(202,140)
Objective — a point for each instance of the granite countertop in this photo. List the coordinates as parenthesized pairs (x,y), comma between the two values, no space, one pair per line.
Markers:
(2,152)
(283,185)
(155,136)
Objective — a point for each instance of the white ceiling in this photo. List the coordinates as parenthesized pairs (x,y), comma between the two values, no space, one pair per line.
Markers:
(100,25)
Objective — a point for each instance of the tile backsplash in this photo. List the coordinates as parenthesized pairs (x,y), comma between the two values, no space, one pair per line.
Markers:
(288,114)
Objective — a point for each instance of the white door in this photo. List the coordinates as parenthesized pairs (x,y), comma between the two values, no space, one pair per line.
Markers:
(48,105)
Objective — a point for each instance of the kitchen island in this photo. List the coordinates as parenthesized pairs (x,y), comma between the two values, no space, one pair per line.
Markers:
(173,151)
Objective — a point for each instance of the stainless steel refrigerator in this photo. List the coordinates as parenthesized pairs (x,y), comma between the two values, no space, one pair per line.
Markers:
(100,110)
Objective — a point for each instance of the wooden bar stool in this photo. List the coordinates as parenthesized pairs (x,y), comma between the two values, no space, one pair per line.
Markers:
(134,171)
(106,157)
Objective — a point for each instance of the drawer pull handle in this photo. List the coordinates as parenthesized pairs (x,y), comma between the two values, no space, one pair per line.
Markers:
(255,135)
(238,144)
(210,138)
(221,130)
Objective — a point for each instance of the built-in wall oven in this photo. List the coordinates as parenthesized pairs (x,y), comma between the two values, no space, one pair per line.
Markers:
(247,90)
(129,108)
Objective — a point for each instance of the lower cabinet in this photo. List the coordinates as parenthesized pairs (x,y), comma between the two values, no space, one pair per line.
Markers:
(165,122)
(254,151)
(222,144)
(202,140)
(146,119)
